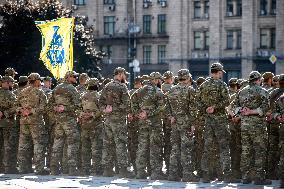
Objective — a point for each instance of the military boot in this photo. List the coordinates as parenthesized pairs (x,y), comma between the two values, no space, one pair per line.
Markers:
(73,171)
(42,172)
(260,181)
(124,173)
(206,178)
(173,177)
(108,172)
(158,176)
(190,178)
(141,175)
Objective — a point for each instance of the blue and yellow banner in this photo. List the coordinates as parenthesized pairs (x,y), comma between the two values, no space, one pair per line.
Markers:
(57,45)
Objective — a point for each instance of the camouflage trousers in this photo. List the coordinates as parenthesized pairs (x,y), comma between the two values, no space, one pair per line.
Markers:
(10,142)
(281,151)
(182,156)
(31,136)
(198,146)
(65,131)
(150,146)
(167,142)
(254,138)
(91,146)
(235,148)
(216,129)
(273,151)
(133,142)
(115,142)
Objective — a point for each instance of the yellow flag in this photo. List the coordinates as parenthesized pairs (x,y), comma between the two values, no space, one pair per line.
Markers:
(57,45)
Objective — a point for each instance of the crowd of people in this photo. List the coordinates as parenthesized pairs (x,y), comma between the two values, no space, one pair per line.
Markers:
(203,129)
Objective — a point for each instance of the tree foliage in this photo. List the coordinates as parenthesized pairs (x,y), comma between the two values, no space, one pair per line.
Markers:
(20,40)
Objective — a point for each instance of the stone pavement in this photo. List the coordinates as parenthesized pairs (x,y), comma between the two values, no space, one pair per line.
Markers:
(61,182)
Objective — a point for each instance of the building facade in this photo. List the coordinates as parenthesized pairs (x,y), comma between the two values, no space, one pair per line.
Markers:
(173,34)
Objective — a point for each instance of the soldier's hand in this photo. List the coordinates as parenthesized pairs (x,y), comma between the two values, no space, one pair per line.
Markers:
(280,118)
(210,110)
(172,119)
(1,115)
(236,119)
(60,108)
(142,115)
(269,118)
(25,112)
(108,109)
(130,117)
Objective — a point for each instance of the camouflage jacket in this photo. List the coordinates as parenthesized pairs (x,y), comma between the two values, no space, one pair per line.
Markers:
(67,95)
(34,99)
(7,103)
(213,93)
(166,87)
(81,89)
(148,98)
(115,94)
(253,97)
(90,103)
(181,101)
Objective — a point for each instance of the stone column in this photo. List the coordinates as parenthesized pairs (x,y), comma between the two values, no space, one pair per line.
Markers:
(235,7)
(202,8)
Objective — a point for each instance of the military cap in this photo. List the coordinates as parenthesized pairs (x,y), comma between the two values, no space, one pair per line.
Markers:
(106,81)
(119,70)
(23,79)
(47,78)
(200,80)
(34,76)
(183,74)
(92,82)
(145,77)
(71,73)
(276,78)
(240,81)
(155,75)
(7,79)
(233,81)
(10,72)
(281,78)
(254,75)
(267,75)
(217,66)
(83,76)
(168,75)
(138,79)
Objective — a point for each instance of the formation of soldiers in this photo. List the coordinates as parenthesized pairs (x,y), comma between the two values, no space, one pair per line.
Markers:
(200,129)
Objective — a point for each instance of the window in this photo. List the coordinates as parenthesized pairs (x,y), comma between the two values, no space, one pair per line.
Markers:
(230,39)
(273,7)
(147,54)
(79,2)
(109,2)
(239,8)
(107,49)
(239,39)
(263,39)
(263,7)
(197,9)
(161,23)
(161,54)
(147,23)
(273,39)
(233,74)
(197,40)
(109,25)
(206,44)
(206,10)
(230,8)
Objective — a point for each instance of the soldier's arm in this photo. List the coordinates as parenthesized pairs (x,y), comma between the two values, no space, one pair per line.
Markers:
(12,104)
(278,109)
(42,105)
(264,107)
(125,100)
(135,103)
(102,99)
(192,103)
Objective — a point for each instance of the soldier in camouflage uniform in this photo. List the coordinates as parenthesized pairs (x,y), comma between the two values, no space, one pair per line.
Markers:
(133,125)
(7,127)
(31,105)
(166,86)
(275,82)
(278,115)
(148,104)
(213,99)
(199,127)
(252,104)
(267,81)
(235,129)
(115,103)
(273,148)
(82,87)
(91,129)
(181,110)
(65,104)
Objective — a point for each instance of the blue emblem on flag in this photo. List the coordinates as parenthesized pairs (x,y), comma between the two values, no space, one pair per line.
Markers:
(56,53)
